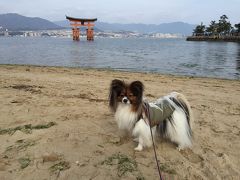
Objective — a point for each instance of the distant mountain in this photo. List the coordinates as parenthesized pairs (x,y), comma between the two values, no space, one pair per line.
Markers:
(16,22)
(173,28)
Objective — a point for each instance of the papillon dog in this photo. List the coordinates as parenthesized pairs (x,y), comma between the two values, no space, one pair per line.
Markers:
(168,117)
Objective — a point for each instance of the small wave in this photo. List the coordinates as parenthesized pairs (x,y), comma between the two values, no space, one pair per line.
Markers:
(189,65)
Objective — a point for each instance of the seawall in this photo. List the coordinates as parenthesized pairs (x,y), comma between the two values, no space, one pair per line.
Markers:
(214,38)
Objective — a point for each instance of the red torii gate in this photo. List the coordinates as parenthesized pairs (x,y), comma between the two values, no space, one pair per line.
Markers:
(76,23)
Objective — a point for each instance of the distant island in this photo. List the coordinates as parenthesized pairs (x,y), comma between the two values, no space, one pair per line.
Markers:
(221,31)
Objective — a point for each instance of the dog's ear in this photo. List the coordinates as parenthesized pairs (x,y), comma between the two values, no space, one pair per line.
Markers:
(116,88)
(137,88)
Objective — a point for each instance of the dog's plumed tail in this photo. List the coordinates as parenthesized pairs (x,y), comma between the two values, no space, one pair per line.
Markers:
(178,127)
(187,108)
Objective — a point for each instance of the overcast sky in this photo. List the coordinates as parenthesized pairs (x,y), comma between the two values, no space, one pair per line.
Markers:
(127,11)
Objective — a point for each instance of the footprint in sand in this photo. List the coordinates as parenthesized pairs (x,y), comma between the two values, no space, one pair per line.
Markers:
(191,156)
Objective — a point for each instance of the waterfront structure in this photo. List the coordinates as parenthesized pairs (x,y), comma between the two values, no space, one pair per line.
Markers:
(232,37)
(76,23)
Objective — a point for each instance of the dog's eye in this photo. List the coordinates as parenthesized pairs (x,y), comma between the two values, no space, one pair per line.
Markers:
(131,95)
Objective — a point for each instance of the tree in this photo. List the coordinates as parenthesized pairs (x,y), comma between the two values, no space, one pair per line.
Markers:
(199,30)
(224,27)
(237,26)
(213,27)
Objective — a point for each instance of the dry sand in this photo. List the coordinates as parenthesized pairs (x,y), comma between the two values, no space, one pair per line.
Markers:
(83,140)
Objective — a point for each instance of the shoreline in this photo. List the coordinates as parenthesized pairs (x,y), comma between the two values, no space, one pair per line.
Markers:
(117,70)
(55,123)
(214,38)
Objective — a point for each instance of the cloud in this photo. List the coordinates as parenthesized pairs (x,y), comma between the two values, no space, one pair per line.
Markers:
(127,11)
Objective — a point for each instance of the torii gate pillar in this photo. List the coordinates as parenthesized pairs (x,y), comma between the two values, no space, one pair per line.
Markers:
(76,23)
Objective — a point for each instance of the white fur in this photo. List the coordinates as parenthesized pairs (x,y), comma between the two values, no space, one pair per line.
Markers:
(143,134)
(177,131)
(125,118)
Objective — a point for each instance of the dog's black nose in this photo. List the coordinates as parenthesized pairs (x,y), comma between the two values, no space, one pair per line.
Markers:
(125,100)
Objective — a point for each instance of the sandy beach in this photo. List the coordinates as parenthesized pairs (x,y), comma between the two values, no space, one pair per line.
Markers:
(55,124)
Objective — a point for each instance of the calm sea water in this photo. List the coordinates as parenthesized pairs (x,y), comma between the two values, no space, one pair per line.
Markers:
(168,56)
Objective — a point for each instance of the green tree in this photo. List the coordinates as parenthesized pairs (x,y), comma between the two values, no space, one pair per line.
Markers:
(213,28)
(199,30)
(224,26)
(237,26)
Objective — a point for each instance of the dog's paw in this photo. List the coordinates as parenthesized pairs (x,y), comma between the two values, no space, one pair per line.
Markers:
(139,148)
(179,148)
